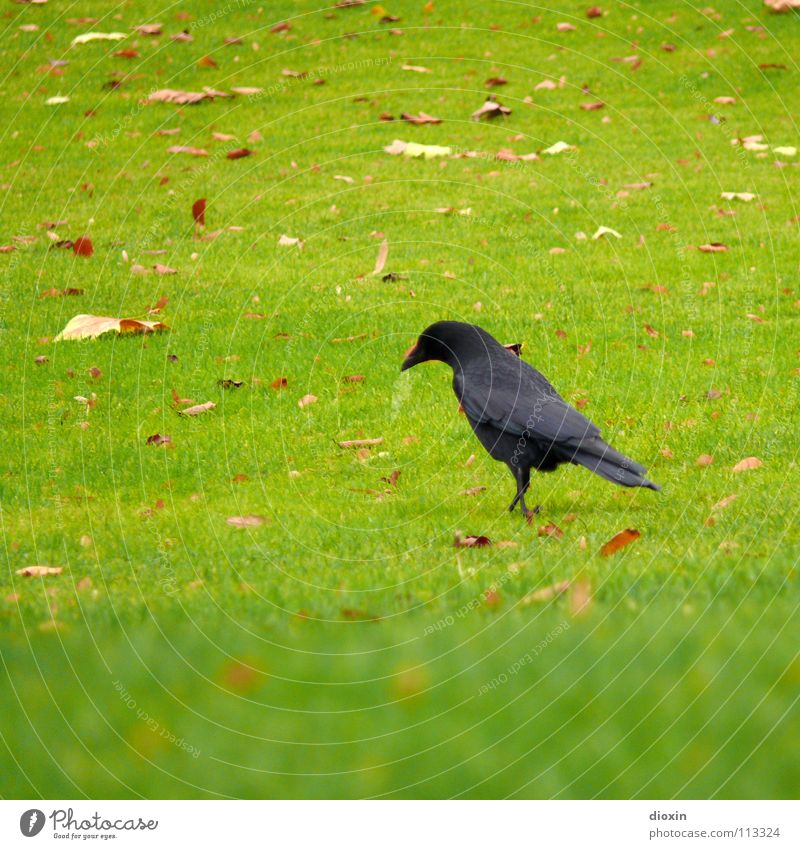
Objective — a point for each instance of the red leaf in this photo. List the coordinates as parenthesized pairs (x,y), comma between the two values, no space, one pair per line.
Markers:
(199,212)
(471,541)
(239,153)
(622,539)
(83,246)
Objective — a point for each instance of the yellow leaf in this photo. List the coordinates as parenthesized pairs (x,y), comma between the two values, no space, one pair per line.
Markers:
(91,326)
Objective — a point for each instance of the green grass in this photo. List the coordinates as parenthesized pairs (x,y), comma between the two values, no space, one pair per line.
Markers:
(341,647)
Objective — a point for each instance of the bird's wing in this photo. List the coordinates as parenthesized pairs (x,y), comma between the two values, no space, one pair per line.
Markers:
(510,395)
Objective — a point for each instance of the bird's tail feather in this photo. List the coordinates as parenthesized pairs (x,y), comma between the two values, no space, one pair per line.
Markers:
(603,460)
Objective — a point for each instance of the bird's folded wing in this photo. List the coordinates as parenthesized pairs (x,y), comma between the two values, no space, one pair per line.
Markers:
(516,399)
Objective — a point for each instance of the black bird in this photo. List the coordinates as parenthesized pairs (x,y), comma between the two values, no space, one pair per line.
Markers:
(515,412)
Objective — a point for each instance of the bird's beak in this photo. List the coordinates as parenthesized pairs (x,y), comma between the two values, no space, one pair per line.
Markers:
(413,357)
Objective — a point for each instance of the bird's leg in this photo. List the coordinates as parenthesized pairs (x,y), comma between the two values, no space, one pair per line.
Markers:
(523,481)
(523,477)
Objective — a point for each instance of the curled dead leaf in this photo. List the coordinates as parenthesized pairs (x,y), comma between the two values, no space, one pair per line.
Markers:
(91,326)
(619,541)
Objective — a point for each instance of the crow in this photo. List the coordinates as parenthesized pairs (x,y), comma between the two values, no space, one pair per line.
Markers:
(516,414)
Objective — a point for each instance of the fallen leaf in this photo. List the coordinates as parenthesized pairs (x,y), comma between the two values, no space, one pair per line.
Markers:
(250,521)
(240,153)
(619,541)
(475,490)
(651,331)
(785,151)
(91,326)
(551,530)
(421,118)
(546,593)
(380,261)
(82,246)
(747,464)
(704,460)
(198,409)
(724,502)
(558,147)
(306,400)
(359,443)
(580,597)
(279,383)
(149,29)
(713,248)
(419,69)
(39,571)
(290,241)
(490,109)
(56,100)
(164,269)
(86,37)
(192,151)
(199,212)
(462,541)
(743,196)
(492,82)
(593,107)
(159,439)
(605,231)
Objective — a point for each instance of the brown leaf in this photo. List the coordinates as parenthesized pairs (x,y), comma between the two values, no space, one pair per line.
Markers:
(199,212)
(240,153)
(206,62)
(594,106)
(724,502)
(462,541)
(82,246)
(192,151)
(353,378)
(651,331)
(306,400)
(546,593)
(475,490)
(747,464)
(127,53)
(383,253)
(490,109)
(704,460)
(164,269)
(594,12)
(551,530)
(279,383)
(492,82)
(39,571)
(198,409)
(713,248)
(250,521)
(148,29)
(361,443)
(580,597)
(422,118)
(622,539)
(91,326)
(159,439)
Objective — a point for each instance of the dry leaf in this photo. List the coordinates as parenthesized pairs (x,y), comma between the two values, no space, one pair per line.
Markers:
(605,231)
(290,241)
(490,109)
(245,521)
(622,539)
(704,460)
(417,68)
(380,261)
(421,118)
(198,409)
(240,153)
(580,598)
(97,36)
(713,248)
(594,106)
(306,400)
(39,571)
(199,212)
(462,541)
(192,151)
(546,593)
(475,490)
(91,326)
(359,443)
(551,530)
(558,147)
(743,196)
(159,439)
(747,464)
(82,246)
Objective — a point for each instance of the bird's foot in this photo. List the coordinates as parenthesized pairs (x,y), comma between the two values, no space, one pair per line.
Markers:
(529,514)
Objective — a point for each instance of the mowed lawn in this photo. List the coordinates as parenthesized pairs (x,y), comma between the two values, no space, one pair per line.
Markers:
(340,644)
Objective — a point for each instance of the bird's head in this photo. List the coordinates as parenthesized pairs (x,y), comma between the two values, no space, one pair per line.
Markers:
(448,342)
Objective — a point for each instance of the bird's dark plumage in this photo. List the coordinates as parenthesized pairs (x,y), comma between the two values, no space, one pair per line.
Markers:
(517,415)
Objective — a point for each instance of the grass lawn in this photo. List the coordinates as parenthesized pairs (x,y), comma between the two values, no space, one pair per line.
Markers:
(340,644)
